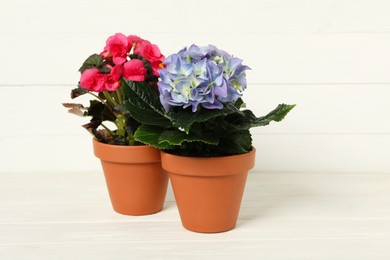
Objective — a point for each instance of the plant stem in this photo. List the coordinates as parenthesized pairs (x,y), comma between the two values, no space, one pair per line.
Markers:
(119,96)
(130,139)
(120,123)
(96,96)
(110,100)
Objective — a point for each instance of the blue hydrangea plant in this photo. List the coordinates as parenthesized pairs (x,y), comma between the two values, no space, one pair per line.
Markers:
(197,108)
(201,77)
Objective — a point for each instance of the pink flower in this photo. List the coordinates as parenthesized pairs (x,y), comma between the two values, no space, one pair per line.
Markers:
(151,53)
(156,65)
(117,47)
(134,70)
(132,39)
(93,80)
(114,78)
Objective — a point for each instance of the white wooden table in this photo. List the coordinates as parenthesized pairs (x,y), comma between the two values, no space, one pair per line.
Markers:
(283,216)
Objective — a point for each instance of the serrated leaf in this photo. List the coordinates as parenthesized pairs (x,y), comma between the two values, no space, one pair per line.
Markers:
(150,135)
(142,102)
(140,112)
(244,120)
(186,118)
(93,61)
(145,92)
(277,115)
(236,143)
(177,137)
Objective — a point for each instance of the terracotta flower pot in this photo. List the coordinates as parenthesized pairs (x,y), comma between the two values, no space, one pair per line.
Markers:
(136,182)
(208,191)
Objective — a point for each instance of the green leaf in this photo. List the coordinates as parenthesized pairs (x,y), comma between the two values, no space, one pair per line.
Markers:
(150,135)
(143,114)
(236,143)
(165,139)
(177,137)
(143,103)
(104,69)
(239,103)
(277,115)
(78,92)
(244,120)
(186,118)
(131,124)
(93,61)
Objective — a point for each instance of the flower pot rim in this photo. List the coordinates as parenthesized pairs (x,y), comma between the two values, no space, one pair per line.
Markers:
(119,146)
(126,153)
(210,157)
(208,166)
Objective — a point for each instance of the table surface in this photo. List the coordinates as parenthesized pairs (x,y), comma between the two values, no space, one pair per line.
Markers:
(283,216)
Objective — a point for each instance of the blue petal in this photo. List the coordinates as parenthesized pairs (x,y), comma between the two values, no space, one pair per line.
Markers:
(215,105)
(221,91)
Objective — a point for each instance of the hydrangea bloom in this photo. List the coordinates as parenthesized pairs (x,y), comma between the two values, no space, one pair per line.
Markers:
(203,76)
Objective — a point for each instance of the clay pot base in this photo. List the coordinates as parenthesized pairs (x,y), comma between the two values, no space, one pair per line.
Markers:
(208,191)
(136,182)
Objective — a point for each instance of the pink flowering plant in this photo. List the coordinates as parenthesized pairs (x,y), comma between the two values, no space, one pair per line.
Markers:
(197,109)
(124,60)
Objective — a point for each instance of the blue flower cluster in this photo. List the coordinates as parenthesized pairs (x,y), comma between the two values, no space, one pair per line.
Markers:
(203,76)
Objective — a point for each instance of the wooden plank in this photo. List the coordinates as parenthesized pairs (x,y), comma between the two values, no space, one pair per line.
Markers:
(294,216)
(275,153)
(323,153)
(274,58)
(51,17)
(357,248)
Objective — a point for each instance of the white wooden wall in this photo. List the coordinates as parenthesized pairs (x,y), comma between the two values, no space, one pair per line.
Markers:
(330,57)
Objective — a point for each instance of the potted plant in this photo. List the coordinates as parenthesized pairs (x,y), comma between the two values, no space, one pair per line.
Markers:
(136,182)
(200,124)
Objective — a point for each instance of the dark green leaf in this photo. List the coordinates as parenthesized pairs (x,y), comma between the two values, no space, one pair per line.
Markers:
(150,135)
(143,103)
(186,118)
(78,92)
(93,61)
(236,143)
(104,69)
(277,115)
(143,114)
(177,137)
(244,120)
(239,103)
(131,124)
